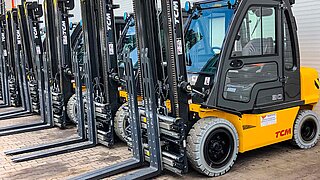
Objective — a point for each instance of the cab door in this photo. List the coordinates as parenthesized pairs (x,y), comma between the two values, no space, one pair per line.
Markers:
(251,69)
(291,56)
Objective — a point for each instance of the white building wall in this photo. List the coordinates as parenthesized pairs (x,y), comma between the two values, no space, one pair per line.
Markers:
(307,14)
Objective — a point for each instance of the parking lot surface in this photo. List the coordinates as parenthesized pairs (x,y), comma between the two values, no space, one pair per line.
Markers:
(280,161)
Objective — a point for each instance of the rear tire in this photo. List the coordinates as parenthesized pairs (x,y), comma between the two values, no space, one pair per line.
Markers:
(306,129)
(212,146)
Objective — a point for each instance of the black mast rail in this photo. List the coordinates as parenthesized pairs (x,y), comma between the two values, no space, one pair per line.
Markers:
(4,62)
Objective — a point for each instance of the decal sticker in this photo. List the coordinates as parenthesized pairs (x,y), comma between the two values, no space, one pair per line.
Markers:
(194,79)
(3,37)
(233,90)
(268,120)
(207,81)
(111,49)
(38,50)
(65,40)
(179,47)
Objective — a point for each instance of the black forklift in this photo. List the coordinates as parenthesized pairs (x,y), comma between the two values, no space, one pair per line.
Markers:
(230,82)
(96,108)
(33,68)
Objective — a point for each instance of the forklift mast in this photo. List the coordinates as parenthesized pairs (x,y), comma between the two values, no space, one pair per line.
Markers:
(34,57)
(101,66)
(13,46)
(59,56)
(169,79)
(108,54)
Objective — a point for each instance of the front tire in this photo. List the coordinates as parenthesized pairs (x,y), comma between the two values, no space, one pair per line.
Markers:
(306,130)
(72,109)
(121,123)
(212,146)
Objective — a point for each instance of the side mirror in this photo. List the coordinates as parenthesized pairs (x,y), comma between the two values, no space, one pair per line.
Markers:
(292,2)
(188,7)
(233,2)
(125,16)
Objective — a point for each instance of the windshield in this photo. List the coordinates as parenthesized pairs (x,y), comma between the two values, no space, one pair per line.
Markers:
(205,36)
(129,43)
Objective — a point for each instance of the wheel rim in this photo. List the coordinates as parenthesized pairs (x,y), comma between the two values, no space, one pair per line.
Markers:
(218,148)
(75,111)
(127,127)
(308,129)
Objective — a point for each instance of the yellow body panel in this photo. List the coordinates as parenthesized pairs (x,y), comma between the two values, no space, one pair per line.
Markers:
(253,130)
(309,90)
(258,130)
(123,94)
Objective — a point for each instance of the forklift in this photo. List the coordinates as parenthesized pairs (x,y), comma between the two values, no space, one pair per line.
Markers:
(236,85)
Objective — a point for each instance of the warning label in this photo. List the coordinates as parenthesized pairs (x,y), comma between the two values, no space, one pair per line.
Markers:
(268,120)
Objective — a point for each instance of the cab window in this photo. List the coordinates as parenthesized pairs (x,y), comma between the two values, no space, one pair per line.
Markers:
(257,34)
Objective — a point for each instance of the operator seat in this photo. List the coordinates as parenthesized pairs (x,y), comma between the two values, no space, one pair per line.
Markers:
(253,47)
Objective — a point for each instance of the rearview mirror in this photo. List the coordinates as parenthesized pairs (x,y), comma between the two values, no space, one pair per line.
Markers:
(265,12)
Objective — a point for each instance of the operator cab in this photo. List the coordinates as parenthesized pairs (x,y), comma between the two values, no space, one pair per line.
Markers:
(205,32)
(237,52)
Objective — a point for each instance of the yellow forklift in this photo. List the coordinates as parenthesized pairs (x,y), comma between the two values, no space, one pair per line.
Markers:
(229,82)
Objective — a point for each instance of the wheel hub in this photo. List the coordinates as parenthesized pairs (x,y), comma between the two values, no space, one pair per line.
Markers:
(308,130)
(218,148)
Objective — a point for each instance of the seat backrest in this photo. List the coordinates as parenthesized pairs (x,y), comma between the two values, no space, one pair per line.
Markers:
(253,47)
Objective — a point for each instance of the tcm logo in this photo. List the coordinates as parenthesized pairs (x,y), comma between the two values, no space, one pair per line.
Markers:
(35,32)
(64,33)
(176,12)
(109,22)
(18,35)
(64,28)
(283,133)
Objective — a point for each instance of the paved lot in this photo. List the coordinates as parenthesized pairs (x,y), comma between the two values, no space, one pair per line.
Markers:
(280,161)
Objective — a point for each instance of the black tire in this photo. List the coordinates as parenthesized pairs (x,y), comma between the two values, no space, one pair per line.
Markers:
(72,109)
(121,123)
(306,129)
(203,138)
